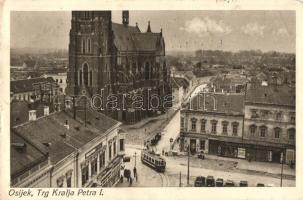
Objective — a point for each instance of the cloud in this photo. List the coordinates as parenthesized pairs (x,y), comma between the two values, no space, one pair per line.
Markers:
(282,32)
(253,29)
(205,26)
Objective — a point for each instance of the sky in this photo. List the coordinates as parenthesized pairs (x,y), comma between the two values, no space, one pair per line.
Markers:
(182,30)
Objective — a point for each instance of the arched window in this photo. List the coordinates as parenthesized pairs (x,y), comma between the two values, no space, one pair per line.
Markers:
(263,131)
(85,74)
(252,129)
(235,126)
(88,45)
(224,127)
(75,77)
(193,124)
(147,71)
(83,46)
(277,132)
(90,78)
(80,75)
(291,133)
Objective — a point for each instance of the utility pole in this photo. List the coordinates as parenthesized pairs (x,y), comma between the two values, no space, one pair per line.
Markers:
(281,168)
(180,180)
(188,165)
(85,113)
(135,159)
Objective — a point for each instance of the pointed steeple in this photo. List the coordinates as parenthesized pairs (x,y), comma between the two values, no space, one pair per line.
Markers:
(148,28)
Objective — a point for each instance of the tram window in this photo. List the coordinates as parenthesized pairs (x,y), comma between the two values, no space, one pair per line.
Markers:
(156,162)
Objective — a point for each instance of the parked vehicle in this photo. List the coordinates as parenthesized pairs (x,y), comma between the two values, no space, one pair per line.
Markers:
(219,182)
(200,181)
(243,184)
(201,155)
(229,183)
(260,185)
(210,181)
(126,159)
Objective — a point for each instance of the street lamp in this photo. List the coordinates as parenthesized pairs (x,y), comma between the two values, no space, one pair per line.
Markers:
(188,165)
(281,160)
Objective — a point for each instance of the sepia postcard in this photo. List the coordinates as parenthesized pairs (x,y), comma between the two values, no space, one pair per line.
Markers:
(151,100)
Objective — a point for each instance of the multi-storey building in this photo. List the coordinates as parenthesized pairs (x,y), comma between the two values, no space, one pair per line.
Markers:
(107,58)
(83,149)
(270,122)
(61,80)
(212,123)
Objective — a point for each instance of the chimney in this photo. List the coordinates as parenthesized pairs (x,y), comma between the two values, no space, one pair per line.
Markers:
(32,115)
(46,110)
(125,17)
(148,27)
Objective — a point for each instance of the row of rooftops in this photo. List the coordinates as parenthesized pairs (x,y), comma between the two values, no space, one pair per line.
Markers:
(57,135)
(233,103)
(27,85)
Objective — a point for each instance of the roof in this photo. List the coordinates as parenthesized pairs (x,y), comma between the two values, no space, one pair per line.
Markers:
(23,158)
(271,94)
(180,82)
(51,128)
(225,103)
(130,38)
(19,111)
(26,85)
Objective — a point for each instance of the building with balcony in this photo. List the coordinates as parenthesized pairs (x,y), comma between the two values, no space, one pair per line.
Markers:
(83,147)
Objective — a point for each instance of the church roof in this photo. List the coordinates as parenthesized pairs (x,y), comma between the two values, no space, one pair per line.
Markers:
(130,38)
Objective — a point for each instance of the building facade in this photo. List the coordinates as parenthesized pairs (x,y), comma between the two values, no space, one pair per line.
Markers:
(107,58)
(212,123)
(84,148)
(61,79)
(270,122)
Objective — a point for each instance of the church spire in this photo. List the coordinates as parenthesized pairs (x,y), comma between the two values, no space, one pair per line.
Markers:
(148,27)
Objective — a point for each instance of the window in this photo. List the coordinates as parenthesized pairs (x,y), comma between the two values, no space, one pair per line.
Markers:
(115,150)
(85,74)
(84,175)
(278,115)
(121,144)
(235,128)
(102,159)
(277,132)
(88,45)
(83,46)
(263,131)
(203,125)
(291,134)
(252,129)
(214,126)
(224,127)
(264,113)
(80,77)
(56,80)
(293,117)
(60,181)
(182,122)
(90,78)
(193,124)
(147,71)
(60,80)
(69,181)
(254,113)
(93,167)
(75,78)
(109,152)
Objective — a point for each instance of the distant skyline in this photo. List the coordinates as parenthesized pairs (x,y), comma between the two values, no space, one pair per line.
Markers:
(182,30)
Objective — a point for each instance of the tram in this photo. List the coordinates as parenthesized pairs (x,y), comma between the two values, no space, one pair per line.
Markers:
(153,160)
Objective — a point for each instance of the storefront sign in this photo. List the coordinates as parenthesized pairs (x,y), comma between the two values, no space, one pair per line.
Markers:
(241,153)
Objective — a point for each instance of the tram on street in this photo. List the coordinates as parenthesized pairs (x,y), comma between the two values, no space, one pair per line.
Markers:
(153,160)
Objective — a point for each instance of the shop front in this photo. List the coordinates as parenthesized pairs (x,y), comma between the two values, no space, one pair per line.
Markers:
(110,176)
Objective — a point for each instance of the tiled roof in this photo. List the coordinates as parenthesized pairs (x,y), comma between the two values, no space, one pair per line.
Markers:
(50,129)
(271,94)
(23,158)
(26,85)
(225,103)
(130,38)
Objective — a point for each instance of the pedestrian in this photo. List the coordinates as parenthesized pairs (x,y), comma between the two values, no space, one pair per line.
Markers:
(135,171)
(130,181)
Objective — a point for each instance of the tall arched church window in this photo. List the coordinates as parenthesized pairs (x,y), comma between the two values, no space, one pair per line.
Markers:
(83,46)
(80,75)
(90,78)
(146,71)
(85,74)
(88,45)
(76,77)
